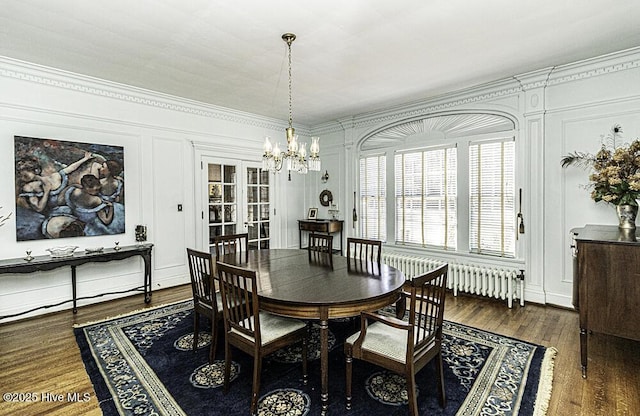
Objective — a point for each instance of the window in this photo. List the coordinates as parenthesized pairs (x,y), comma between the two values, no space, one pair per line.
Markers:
(426,197)
(373,197)
(454,181)
(491,197)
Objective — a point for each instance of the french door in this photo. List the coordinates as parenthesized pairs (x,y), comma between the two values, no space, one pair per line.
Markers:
(238,200)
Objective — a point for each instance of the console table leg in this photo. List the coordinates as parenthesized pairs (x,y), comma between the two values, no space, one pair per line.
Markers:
(147,277)
(583,351)
(73,288)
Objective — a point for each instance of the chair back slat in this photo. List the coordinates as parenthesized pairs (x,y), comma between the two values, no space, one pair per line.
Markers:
(426,308)
(364,255)
(364,249)
(240,304)
(321,242)
(231,244)
(202,278)
(320,249)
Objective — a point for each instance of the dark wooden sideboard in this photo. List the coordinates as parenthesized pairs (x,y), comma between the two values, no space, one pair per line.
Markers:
(606,283)
(44,263)
(321,226)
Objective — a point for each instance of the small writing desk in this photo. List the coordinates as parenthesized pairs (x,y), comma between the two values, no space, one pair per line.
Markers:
(44,263)
(321,226)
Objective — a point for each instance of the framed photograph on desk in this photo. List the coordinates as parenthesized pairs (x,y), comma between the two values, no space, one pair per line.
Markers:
(313,214)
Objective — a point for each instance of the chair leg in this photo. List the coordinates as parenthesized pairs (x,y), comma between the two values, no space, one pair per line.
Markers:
(440,376)
(349,368)
(257,367)
(196,329)
(305,352)
(401,307)
(214,340)
(227,366)
(411,394)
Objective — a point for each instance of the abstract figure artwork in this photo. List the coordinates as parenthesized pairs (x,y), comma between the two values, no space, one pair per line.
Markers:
(68,189)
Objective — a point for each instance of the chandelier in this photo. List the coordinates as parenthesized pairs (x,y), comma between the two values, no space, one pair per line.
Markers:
(295,157)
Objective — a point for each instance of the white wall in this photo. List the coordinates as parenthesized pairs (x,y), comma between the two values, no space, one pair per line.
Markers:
(557,110)
(583,102)
(162,136)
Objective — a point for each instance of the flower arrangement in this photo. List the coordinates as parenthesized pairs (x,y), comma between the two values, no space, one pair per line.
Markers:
(616,169)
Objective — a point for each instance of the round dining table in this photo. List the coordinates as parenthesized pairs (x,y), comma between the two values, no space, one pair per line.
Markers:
(292,284)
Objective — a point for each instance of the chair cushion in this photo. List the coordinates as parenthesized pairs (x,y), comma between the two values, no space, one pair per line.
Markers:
(384,340)
(273,327)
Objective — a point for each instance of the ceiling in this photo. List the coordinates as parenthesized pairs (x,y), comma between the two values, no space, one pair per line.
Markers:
(350,57)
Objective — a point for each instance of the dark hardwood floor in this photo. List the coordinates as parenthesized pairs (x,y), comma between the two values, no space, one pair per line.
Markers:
(40,355)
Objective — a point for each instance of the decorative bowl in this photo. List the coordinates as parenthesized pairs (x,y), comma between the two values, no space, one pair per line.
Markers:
(65,251)
(94,250)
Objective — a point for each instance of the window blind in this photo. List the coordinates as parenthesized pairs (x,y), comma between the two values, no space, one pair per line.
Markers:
(426,192)
(373,197)
(492,197)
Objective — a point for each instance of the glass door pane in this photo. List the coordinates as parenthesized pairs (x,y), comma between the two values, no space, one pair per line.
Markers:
(222,201)
(257,206)
(238,200)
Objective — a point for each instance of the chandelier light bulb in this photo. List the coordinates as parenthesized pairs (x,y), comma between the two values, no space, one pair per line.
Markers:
(303,151)
(276,151)
(267,146)
(315,146)
(293,145)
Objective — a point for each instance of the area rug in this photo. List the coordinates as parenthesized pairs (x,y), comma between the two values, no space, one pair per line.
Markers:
(143,364)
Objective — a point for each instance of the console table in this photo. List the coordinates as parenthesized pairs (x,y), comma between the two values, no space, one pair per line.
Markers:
(44,263)
(606,283)
(321,226)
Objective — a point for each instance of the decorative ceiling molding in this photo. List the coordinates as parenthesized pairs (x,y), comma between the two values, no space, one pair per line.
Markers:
(601,65)
(449,126)
(25,71)
(606,64)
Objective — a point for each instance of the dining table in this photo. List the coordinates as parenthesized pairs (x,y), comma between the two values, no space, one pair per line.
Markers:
(291,284)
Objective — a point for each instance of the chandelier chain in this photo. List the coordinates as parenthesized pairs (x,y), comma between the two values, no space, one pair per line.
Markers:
(295,156)
(290,88)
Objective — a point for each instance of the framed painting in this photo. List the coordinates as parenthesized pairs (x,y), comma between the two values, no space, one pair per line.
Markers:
(68,189)
(312,214)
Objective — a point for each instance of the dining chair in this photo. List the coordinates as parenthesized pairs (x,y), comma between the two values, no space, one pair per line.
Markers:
(320,249)
(257,333)
(206,300)
(231,244)
(364,249)
(364,255)
(404,347)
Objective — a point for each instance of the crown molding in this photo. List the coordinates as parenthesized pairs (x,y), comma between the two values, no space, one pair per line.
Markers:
(593,67)
(469,97)
(43,75)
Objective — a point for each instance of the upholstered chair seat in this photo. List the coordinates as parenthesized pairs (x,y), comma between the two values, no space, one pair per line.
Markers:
(384,340)
(272,327)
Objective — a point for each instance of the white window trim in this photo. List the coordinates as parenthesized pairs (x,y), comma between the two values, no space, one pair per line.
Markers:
(462,144)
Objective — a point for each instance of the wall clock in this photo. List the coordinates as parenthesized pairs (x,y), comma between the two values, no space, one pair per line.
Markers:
(326,198)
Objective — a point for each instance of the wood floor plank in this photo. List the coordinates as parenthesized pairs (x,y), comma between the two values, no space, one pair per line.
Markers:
(40,355)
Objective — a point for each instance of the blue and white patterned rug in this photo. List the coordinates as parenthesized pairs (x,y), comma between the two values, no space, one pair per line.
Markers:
(143,364)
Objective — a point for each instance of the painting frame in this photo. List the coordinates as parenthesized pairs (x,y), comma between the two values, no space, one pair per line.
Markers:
(312,214)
